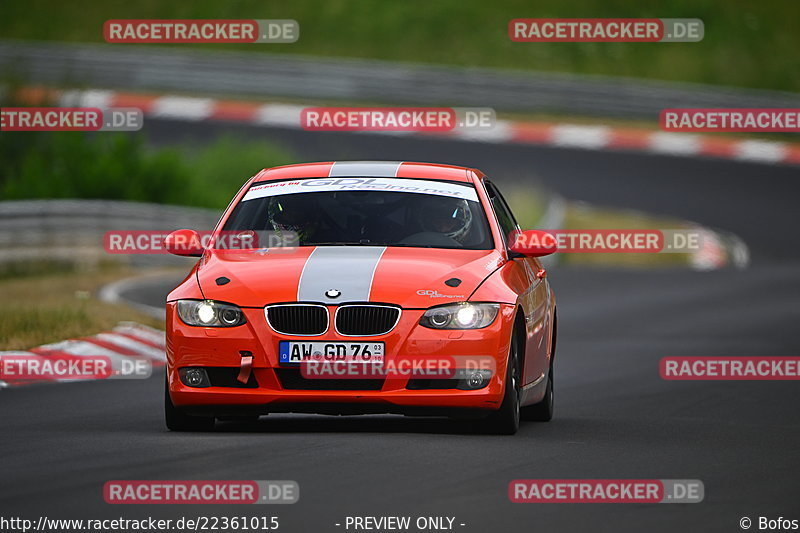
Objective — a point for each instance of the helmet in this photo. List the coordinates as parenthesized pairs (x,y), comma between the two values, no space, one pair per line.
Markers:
(450,216)
(292,212)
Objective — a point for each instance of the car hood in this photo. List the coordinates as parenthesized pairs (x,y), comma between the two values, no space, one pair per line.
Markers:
(409,277)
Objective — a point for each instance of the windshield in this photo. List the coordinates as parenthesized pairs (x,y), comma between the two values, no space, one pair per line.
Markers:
(367,212)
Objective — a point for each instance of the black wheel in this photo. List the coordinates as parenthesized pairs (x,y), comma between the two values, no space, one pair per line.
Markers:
(505,421)
(542,411)
(177,420)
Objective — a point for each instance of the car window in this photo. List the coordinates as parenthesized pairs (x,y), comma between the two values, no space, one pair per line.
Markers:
(504,215)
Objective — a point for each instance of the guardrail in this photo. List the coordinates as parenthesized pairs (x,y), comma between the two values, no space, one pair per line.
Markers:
(273,75)
(73,230)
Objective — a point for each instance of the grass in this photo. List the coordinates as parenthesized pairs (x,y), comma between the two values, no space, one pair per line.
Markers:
(584,216)
(60,305)
(749,44)
(529,205)
(219,169)
(118,166)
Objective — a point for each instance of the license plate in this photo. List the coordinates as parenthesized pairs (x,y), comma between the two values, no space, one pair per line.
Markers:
(293,352)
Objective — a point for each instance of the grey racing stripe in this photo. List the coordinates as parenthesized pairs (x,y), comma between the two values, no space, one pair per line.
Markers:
(370,169)
(348,269)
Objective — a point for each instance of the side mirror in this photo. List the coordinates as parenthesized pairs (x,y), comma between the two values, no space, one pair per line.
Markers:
(185,242)
(533,243)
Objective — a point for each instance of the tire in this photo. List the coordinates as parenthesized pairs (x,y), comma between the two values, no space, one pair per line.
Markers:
(505,421)
(177,420)
(542,411)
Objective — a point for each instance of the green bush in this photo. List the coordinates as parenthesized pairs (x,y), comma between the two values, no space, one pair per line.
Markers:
(218,170)
(117,166)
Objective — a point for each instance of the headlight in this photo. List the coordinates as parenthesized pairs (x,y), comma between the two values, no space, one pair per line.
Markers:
(460,316)
(209,313)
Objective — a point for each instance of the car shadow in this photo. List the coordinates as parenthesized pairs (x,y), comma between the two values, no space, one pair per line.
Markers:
(352,424)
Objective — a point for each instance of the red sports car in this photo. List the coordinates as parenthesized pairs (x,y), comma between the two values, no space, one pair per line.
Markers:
(383,287)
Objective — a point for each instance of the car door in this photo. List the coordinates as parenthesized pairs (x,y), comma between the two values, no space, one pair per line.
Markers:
(534,300)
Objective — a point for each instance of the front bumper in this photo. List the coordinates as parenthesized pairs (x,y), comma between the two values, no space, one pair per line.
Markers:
(268,391)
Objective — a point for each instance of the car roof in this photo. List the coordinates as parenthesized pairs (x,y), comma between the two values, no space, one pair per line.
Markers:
(384,169)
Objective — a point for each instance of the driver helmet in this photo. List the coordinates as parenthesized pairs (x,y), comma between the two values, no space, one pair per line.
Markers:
(449,216)
(293,212)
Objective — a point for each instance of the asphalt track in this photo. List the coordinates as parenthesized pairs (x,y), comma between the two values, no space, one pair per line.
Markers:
(615,418)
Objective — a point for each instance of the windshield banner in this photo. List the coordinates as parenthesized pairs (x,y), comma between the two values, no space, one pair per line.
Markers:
(439,188)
